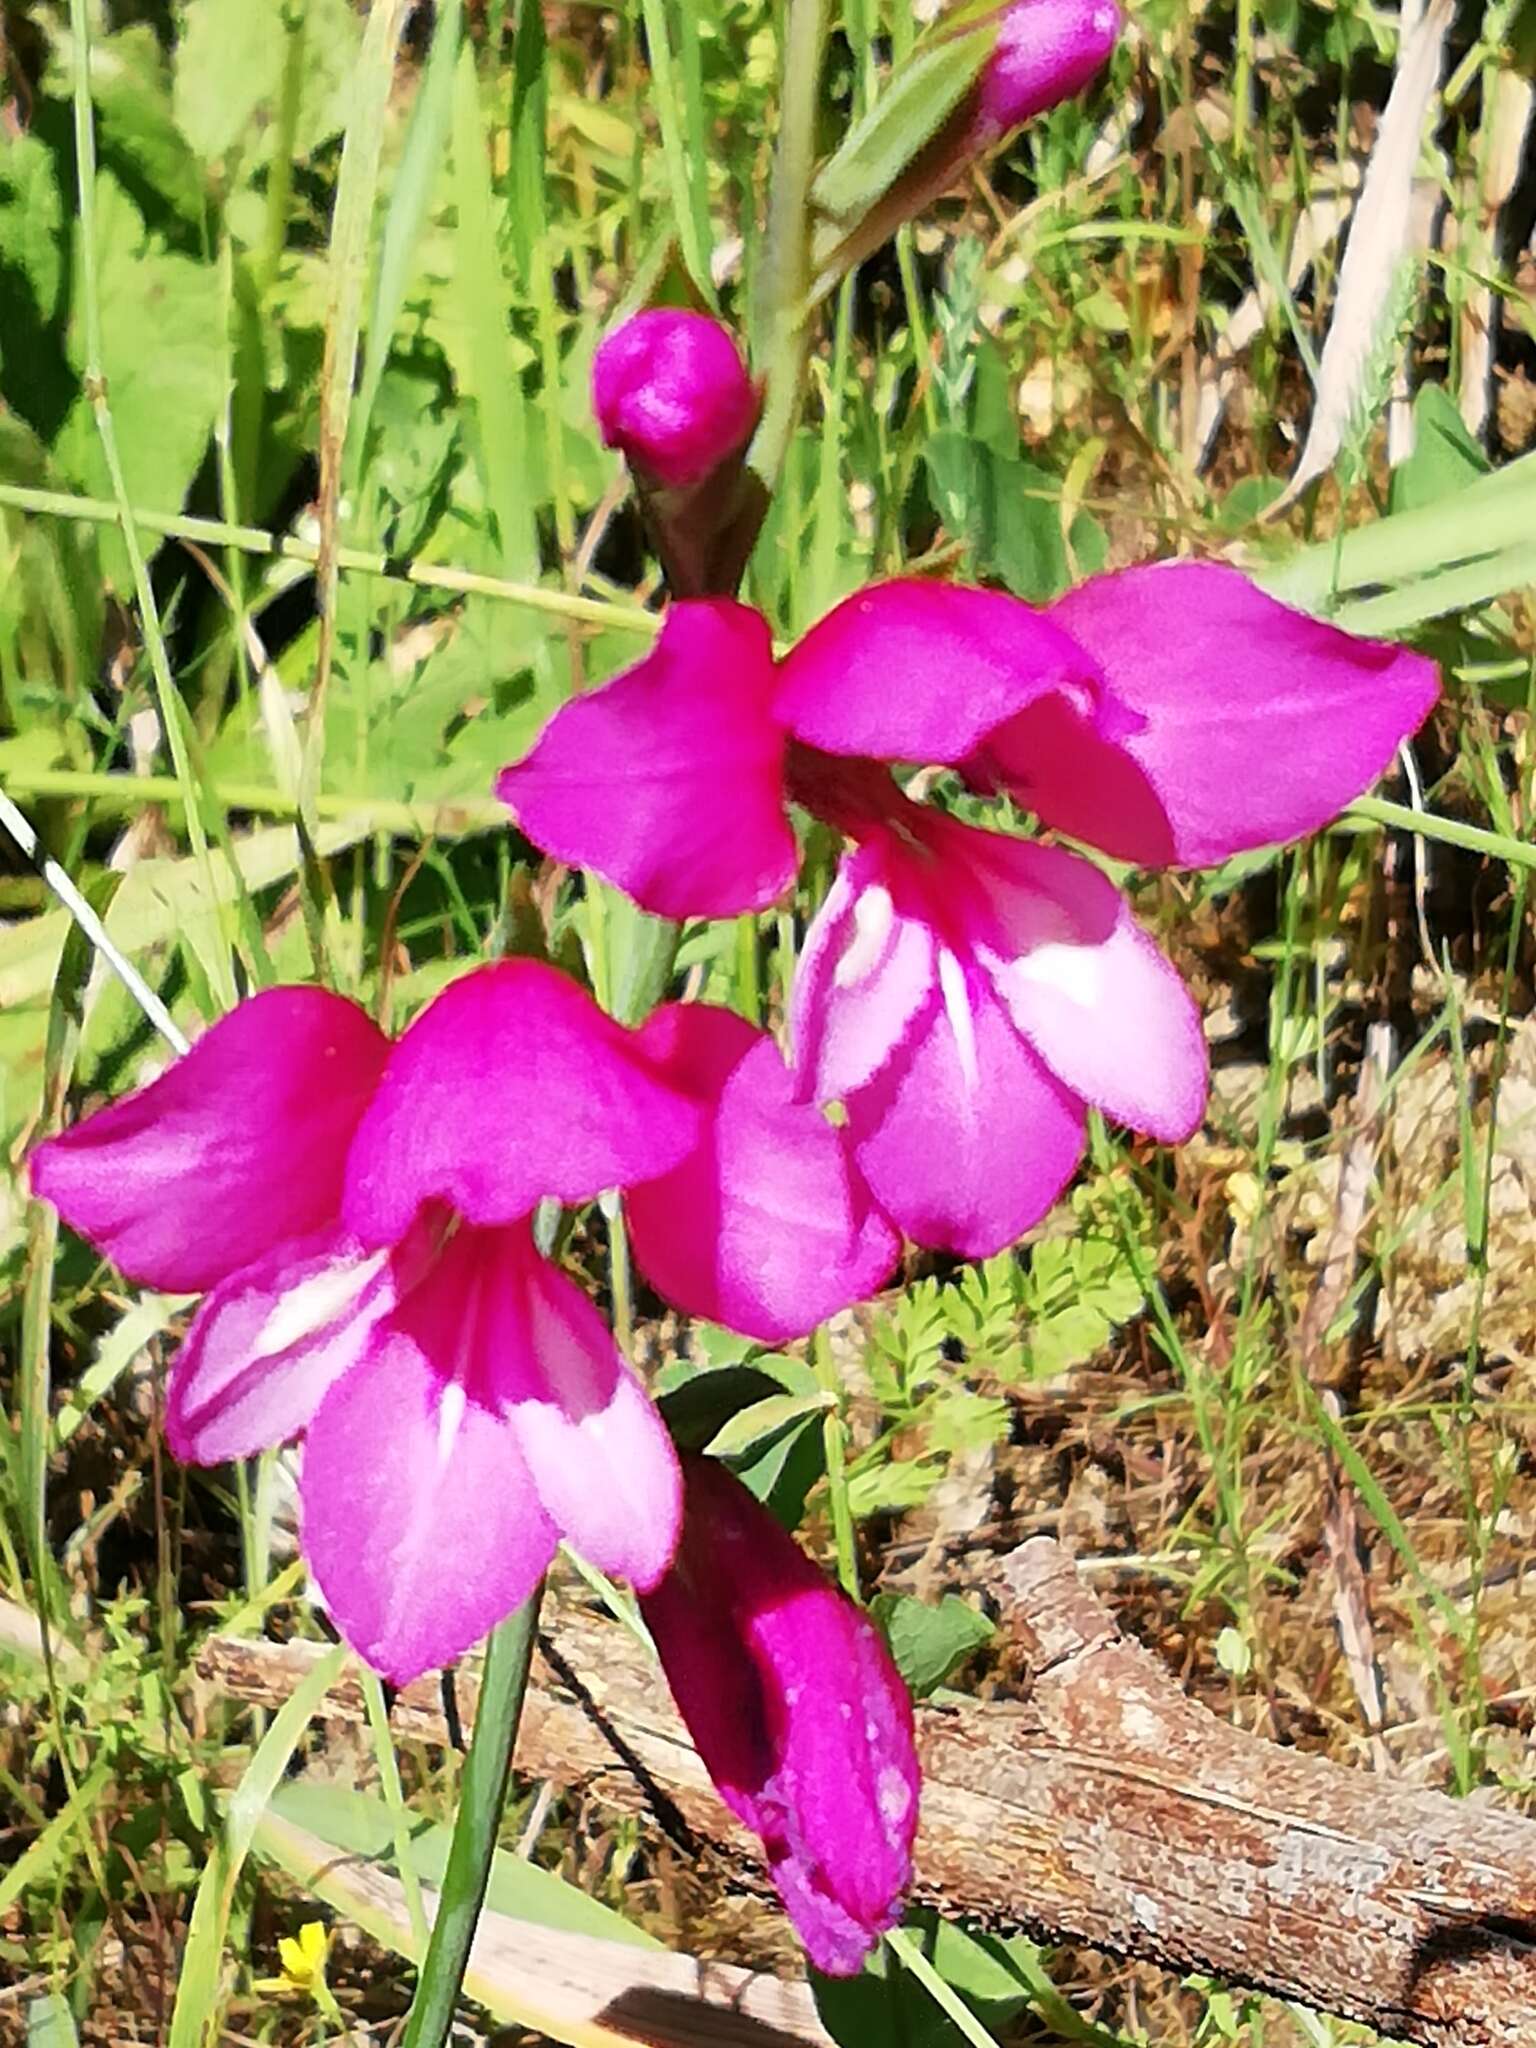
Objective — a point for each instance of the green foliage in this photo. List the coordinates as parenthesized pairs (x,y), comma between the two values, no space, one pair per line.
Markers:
(928,1643)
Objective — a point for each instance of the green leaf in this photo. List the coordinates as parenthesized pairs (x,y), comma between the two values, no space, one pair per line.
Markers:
(32,240)
(1009,512)
(1445,458)
(158,900)
(51,603)
(929,1642)
(909,113)
(361,1825)
(138,139)
(50,2023)
(163,358)
(699,1407)
(229,67)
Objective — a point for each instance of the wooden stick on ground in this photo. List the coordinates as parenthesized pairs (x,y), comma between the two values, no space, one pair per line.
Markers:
(1106,1808)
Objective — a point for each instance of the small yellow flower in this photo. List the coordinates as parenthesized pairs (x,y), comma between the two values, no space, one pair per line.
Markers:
(303,1960)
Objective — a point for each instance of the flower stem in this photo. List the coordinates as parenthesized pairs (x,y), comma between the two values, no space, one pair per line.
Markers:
(834,1439)
(482,1795)
(786,275)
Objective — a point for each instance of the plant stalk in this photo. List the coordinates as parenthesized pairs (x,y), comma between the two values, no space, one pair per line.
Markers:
(481,1798)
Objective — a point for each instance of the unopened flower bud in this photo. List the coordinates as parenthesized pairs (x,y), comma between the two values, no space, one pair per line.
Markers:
(950,104)
(1046,52)
(797,1711)
(671,392)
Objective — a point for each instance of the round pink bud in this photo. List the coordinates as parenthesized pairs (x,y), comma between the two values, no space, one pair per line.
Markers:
(670,390)
(1047,51)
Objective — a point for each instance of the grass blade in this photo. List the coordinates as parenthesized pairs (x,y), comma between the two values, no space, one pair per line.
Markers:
(194,2020)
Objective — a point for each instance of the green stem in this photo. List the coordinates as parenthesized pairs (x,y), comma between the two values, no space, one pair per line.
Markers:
(910,1955)
(132,792)
(255,540)
(1375,810)
(834,1438)
(481,1798)
(168,700)
(782,331)
(394,1799)
(280,171)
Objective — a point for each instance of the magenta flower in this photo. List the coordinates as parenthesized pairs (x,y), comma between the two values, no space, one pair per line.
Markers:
(671,392)
(797,1711)
(764,1226)
(966,994)
(359,1215)
(1047,51)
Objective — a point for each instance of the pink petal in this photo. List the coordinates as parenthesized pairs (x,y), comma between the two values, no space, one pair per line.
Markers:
(1260,724)
(764,1226)
(269,1343)
(910,671)
(669,781)
(511,1086)
(1046,52)
(867,971)
(966,1137)
(599,1453)
(420,1521)
(670,389)
(1085,985)
(237,1147)
(797,1712)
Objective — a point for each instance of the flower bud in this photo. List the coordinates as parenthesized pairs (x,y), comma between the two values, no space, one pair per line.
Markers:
(797,1711)
(671,392)
(1046,52)
(948,105)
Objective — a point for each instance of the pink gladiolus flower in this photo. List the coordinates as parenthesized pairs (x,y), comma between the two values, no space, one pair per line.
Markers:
(797,1711)
(671,392)
(1047,51)
(966,994)
(359,1216)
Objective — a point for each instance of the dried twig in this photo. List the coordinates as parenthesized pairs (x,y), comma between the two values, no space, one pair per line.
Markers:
(1105,1808)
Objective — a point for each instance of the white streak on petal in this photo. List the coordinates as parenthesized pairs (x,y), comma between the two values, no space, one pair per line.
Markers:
(873,915)
(957,1007)
(450,1417)
(316,1302)
(1075,972)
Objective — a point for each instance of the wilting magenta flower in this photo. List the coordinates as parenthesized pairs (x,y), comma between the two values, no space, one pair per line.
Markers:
(671,392)
(359,1215)
(966,994)
(797,1711)
(1047,51)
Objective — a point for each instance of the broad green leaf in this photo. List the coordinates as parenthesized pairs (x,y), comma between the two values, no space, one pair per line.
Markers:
(1010,513)
(32,240)
(361,1825)
(163,356)
(229,67)
(929,1642)
(1445,458)
(138,141)
(911,110)
(700,1406)
(50,2023)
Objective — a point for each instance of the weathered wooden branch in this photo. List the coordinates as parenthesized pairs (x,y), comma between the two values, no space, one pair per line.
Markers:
(1105,1808)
